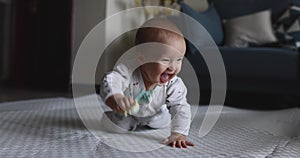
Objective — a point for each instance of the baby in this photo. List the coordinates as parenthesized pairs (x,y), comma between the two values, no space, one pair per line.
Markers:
(151,94)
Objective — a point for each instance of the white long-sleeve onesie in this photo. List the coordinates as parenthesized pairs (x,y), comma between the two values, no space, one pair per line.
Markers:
(172,94)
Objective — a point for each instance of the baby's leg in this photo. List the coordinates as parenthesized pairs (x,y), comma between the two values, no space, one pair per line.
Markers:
(117,123)
(160,120)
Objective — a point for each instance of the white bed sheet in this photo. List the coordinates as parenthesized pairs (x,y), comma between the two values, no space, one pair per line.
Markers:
(52,128)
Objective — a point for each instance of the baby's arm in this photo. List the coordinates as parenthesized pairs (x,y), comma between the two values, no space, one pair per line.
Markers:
(181,114)
(112,89)
(119,103)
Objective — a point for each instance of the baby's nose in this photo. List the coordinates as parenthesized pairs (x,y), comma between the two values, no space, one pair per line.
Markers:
(171,66)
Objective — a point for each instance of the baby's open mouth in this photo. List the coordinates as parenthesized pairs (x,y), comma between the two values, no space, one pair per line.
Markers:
(164,77)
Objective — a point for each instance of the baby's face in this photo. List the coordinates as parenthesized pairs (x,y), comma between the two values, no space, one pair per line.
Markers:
(166,65)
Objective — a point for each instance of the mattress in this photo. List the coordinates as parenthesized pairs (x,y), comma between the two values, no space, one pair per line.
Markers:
(53,127)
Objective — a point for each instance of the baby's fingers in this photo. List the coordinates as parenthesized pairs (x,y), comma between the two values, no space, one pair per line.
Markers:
(126,104)
(166,141)
(131,101)
(174,144)
(170,142)
(121,105)
(189,143)
(119,109)
(185,144)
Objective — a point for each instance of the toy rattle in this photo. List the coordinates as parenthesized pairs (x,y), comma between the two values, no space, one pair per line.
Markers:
(142,97)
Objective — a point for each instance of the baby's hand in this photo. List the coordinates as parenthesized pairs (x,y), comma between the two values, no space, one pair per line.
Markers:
(120,103)
(177,140)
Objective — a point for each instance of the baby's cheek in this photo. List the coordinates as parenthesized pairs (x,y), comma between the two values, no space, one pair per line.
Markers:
(178,70)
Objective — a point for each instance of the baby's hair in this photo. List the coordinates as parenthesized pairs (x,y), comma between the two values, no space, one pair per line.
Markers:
(157,30)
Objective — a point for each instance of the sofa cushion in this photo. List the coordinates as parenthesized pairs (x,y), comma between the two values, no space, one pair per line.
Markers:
(254,28)
(234,8)
(287,27)
(209,19)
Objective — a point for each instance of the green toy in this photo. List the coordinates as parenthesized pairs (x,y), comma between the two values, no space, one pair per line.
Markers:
(142,98)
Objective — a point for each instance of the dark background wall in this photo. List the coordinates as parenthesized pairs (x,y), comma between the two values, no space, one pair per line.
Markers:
(2,6)
(40,43)
(3,49)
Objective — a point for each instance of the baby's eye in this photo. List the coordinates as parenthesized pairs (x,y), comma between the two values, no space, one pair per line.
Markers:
(164,61)
(179,60)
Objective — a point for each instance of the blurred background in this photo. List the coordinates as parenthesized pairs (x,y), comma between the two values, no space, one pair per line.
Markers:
(39,40)
(35,47)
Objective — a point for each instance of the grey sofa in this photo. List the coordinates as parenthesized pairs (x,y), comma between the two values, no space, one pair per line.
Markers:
(255,74)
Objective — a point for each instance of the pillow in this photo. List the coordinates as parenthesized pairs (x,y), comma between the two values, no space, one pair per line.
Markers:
(209,19)
(287,26)
(254,28)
